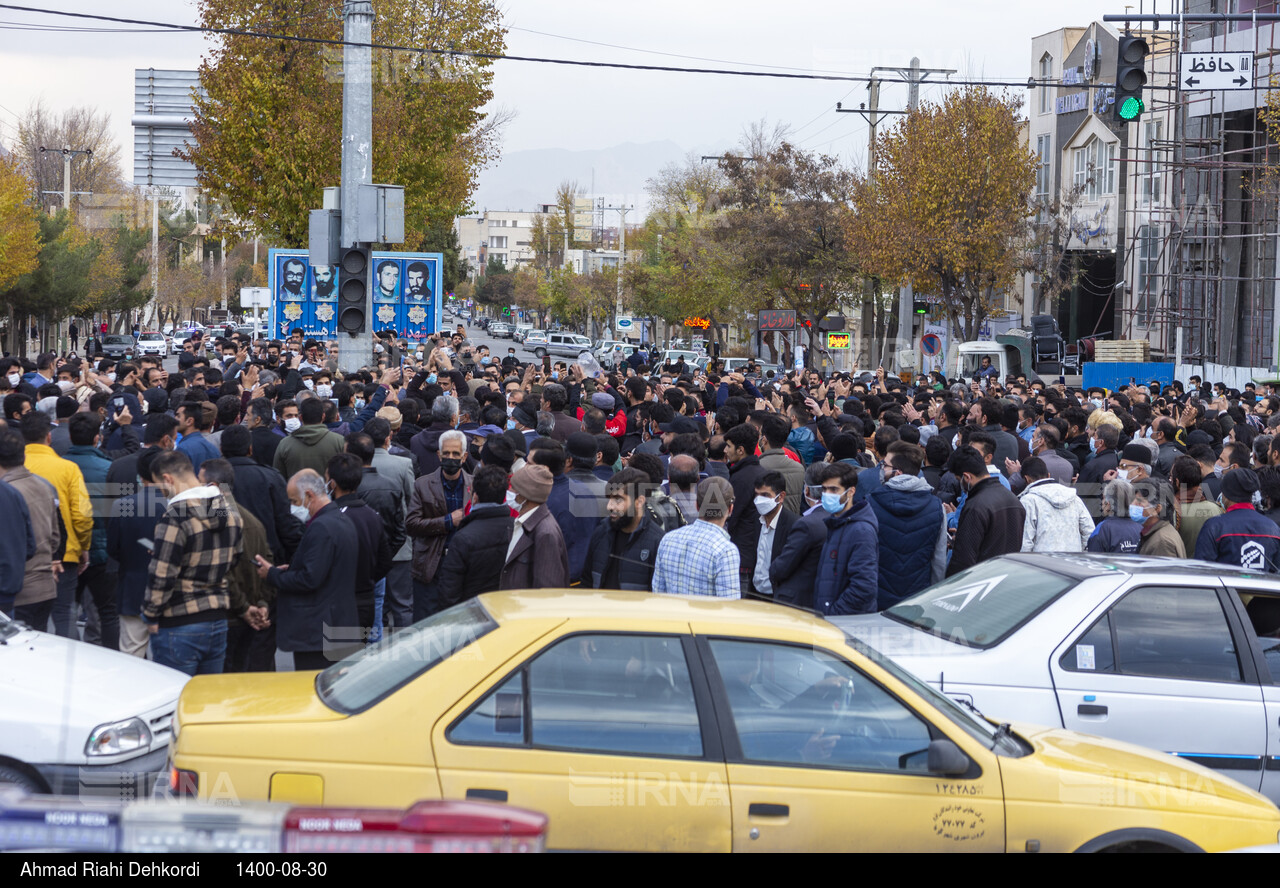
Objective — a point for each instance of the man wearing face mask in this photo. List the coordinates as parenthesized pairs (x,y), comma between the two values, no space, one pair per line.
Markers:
(473,564)
(911,526)
(436,509)
(992,520)
(794,570)
(775,524)
(317,588)
(624,546)
(537,557)
(849,568)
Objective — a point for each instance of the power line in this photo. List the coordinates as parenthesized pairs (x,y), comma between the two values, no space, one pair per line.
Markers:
(323,41)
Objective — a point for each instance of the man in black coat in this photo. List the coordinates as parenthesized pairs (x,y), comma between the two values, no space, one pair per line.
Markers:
(122,476)
(624,546)
(384,496)
(744,471)
(315,590)
(345,474)
(473,562)
(991,519)
(1092,477)
(794,570)
(261,491)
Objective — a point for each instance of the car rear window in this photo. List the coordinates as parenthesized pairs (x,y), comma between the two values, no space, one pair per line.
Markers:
(984,605)
(377,671)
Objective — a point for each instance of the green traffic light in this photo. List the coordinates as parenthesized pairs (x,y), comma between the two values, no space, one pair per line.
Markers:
(1131,108)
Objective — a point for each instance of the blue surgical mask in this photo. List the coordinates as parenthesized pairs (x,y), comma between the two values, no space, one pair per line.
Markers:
(431,380)
(1136,514)
(1093,445)
(832,502)
(359,403)
(485,360)
(511,424)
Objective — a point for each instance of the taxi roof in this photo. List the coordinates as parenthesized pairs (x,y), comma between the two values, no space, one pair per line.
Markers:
(547,604)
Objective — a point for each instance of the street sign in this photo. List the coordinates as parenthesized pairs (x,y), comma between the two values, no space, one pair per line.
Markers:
(1216,70)
(255,297)
(839,340)
(931,344)
(777,319)
(624,324)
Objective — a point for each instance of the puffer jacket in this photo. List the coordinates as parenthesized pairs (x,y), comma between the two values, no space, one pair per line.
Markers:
(913,538)
(94,465)
(803,442)
(1057,520)
(849,574)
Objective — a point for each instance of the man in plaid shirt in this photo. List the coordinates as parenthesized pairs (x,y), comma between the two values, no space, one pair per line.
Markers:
(701,559)
(196,544)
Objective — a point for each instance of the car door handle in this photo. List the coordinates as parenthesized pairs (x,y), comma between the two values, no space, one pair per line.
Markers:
(489,795)
(1090,709)
(760,809)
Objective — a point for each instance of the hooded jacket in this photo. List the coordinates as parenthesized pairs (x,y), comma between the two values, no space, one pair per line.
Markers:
(197,542)
(913,538)
(310,447)
(848,578)
(94,465)
(804,443)
(1057,520)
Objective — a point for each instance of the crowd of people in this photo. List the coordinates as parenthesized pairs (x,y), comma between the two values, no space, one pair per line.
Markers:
(260,500)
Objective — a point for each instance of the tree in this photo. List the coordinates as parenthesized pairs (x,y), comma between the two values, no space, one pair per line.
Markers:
(66,276)
(947,208)
(80,128)
(19,230)
(268,132)
(786,221)
(441,237)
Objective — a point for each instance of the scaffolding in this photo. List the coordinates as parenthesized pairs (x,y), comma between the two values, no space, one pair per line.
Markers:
(1199,230)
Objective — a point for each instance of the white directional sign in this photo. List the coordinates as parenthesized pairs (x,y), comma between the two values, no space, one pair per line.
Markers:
(1216,70)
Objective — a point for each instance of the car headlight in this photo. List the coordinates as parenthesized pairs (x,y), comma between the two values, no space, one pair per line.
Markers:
(117,737)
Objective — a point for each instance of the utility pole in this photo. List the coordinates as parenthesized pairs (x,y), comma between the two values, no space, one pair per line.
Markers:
(155,245)
(357,156)
(67,154)
(622,257)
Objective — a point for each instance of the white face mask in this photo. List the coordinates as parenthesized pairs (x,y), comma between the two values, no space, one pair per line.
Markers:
(15,379)
(311,386)
(301,513)
(765,504)
(111,377)
(67,387)
(292,424)
(324,391)
(511,499)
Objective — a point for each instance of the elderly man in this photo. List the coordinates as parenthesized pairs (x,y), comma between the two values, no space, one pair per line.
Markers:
(436,509)
(537,557)
(317,588)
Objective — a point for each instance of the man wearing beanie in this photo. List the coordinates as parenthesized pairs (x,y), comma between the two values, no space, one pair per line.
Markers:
(615,417)
(536,556)
(1240,537)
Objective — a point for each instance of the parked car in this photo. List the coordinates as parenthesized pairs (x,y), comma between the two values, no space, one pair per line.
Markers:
(500,330)
(672,356)
(521,331)
(607,351)
(564,345)
(153,343)
(80,719)
(1180,656)
(744,727)
(534,338)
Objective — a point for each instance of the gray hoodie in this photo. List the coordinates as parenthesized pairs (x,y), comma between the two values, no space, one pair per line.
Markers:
(1057,519)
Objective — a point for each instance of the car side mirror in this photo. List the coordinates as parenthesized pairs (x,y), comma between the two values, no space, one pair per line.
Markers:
(946,759)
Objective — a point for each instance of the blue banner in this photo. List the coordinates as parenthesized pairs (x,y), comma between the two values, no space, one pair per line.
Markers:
(406,294)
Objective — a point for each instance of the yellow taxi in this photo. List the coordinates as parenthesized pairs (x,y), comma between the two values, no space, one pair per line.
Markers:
(643,722)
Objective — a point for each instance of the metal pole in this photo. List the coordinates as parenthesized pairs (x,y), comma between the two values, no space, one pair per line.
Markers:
(222,261)
(906,331)
(155,244)
(66,178)
(357,154)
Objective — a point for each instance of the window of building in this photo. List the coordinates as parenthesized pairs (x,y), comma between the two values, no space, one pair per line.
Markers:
(1112,151)
(1080,175)
(1044,166)
(1046,92)
(1148,264)
(1151,181)
(498,243)
(1095,168)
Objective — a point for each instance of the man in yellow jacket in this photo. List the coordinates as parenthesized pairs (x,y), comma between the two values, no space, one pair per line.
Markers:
(74,508)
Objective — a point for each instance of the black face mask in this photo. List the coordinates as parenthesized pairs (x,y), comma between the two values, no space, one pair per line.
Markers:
(451,466)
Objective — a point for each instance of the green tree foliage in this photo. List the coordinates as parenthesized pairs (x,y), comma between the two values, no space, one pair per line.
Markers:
(19,228)
(267,136)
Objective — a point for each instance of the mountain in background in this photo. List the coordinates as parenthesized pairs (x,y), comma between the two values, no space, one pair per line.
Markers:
(521,180)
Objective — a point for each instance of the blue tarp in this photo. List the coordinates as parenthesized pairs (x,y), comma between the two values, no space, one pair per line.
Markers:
(1113,375)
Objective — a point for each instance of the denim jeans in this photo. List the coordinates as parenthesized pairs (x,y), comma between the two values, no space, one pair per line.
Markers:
(379,596)
(64,606)
(196,648)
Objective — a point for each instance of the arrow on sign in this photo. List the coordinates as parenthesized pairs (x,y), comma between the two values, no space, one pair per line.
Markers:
(1191,81)
(1240,81)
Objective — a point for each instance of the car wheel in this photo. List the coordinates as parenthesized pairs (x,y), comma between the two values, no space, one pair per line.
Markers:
(10,776)
(540,353)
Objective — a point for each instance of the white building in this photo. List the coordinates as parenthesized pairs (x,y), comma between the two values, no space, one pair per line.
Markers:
(498,234)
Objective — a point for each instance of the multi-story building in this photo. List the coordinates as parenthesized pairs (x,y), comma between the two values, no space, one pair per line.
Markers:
(498,234)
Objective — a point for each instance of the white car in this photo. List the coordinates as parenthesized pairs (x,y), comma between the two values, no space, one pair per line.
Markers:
(152,344)
(80,719)
(1180,656)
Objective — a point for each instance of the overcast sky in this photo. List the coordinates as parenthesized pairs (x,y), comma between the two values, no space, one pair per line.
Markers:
(576,108)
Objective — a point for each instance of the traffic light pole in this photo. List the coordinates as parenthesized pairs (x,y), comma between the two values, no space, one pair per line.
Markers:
(356,350)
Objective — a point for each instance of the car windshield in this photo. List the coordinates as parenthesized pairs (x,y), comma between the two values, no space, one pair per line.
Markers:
(8,628)
(379,670)
(983,605)
(151,337)
(978,728)
(116,340)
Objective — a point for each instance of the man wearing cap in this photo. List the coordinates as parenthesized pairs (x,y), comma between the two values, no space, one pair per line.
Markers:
(524,421)
(615,417)
(1240,536)
(536,556)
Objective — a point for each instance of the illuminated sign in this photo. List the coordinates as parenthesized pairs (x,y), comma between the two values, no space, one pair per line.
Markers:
(1075,102)
(839,340)
(777,319)
(700,323)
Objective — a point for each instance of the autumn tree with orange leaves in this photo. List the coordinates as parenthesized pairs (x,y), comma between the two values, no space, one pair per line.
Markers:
(948,204)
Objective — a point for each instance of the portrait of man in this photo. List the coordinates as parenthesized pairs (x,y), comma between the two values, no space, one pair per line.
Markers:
(326,289)
(388,281)
(418,282)
(293,275)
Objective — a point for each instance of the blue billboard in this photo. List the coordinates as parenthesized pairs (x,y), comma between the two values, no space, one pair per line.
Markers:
(406,294)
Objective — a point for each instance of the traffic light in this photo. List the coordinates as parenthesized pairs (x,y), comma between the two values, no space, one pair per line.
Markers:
(920,306)
(1131,77)
(353,289)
